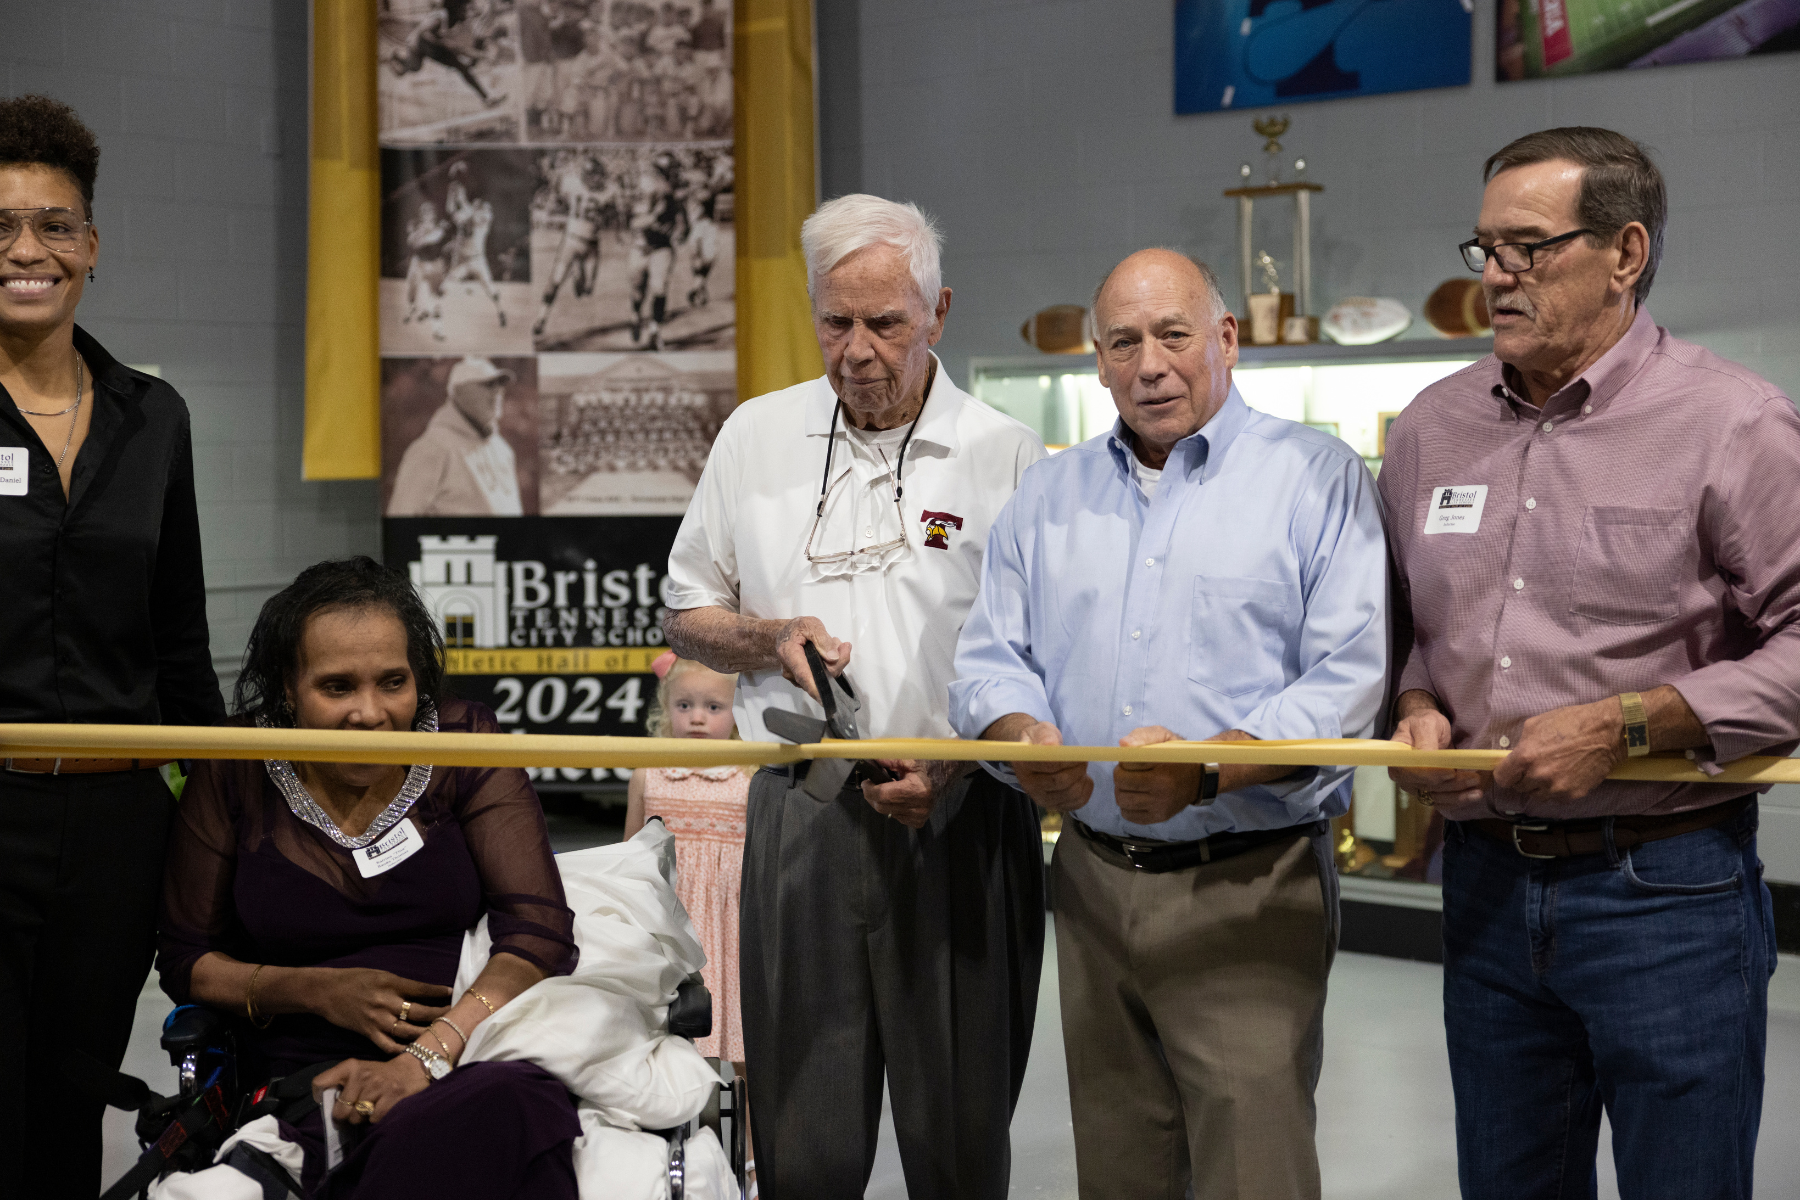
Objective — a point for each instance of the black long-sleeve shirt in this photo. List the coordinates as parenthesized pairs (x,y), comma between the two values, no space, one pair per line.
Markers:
(102,597)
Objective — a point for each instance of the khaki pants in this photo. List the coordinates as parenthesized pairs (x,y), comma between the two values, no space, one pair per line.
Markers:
(1193,1007)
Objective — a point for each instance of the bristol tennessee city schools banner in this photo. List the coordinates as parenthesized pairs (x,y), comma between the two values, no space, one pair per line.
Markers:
(558,331)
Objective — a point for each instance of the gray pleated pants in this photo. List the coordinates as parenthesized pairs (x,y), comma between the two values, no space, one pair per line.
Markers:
(868,947)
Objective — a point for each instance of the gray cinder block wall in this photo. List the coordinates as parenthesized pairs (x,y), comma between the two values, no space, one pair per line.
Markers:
(1043,137)
(201,111)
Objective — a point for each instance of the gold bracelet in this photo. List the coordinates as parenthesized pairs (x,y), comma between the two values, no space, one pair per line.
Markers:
(250,1000)
(442,1044)
(457,1028)
(484,1001)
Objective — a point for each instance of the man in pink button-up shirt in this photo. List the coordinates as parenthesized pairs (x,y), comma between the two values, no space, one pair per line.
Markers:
(1599,545)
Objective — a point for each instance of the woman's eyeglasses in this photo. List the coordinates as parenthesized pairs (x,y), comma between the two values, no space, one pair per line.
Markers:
(58,229)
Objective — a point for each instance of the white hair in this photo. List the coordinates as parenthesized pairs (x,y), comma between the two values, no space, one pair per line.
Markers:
(847,224)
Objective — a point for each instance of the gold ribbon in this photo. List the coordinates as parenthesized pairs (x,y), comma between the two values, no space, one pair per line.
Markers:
(545,750)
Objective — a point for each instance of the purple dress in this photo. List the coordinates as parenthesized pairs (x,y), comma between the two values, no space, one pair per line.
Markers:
(246,877)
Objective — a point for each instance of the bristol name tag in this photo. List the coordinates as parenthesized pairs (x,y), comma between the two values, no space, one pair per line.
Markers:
(389,850)
(15,470)
(1456,508)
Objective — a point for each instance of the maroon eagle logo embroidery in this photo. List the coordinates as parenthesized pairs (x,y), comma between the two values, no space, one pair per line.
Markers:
(938,526)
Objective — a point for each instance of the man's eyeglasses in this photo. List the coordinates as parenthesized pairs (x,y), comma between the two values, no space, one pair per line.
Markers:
(59,229)
(1513,257)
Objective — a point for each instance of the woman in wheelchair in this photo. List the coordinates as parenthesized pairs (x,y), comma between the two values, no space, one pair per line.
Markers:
(324,905)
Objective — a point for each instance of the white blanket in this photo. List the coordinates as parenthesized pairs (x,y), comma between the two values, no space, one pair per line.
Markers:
(602,1031)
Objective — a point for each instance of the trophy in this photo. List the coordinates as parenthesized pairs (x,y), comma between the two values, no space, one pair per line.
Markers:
(1270,310)
(1294,322)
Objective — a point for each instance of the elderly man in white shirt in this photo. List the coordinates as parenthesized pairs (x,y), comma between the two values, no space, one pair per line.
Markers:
(897,926)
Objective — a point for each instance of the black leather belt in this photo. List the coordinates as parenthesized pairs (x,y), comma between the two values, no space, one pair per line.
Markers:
(1587,835)
(1154,858)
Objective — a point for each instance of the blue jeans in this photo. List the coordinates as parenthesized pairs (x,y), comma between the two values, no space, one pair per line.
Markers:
(1638,981)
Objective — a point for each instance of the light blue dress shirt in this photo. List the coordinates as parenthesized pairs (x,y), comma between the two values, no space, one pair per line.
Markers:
(1249,593)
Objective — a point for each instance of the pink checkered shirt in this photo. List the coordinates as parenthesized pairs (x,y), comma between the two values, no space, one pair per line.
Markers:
(1642,528)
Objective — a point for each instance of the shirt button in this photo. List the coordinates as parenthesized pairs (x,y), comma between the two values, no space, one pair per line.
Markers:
(1531,503)
(1149,562)
(1548,427)
(868,533)
(1506,661)
(1587,408)
(1128,710)
(1518,585)
(1505,742)
(1135,633)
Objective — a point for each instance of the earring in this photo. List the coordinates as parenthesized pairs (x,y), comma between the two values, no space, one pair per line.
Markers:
(90,274)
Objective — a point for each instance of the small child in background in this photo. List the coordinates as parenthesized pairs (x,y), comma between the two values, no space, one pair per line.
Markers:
(704,807)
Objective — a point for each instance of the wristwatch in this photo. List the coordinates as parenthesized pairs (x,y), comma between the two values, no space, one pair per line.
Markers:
(436,1065)
(1209,783)
(1637,725)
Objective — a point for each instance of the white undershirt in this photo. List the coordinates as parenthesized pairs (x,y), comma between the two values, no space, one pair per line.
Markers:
(1147,477)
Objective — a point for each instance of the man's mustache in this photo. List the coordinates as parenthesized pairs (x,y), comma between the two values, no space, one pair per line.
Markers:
(1515,300)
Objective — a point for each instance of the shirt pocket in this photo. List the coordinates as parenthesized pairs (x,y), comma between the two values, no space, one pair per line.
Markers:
(1237,634)
(1629,564)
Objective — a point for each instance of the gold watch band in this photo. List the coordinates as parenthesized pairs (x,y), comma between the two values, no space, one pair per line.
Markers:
(1637,725)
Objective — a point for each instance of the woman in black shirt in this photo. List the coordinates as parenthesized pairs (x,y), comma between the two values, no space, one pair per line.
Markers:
(103,621)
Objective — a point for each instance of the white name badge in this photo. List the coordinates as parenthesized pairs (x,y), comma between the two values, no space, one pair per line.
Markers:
(1456,508)
(389,850)
(15,470)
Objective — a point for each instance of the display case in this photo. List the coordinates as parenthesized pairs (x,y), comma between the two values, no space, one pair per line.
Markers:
(1388,844)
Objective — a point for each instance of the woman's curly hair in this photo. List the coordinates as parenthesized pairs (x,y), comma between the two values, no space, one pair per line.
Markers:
(272,657)
(39,131)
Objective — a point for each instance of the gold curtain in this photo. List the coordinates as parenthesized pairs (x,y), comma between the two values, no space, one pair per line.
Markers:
(776,190)
(343,249)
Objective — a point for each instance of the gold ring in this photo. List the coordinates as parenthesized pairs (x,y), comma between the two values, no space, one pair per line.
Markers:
(363,1107)
(405,1007)
(395,1027)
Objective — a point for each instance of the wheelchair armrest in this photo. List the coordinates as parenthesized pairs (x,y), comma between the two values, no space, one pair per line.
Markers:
(690,1014)
(189,1028)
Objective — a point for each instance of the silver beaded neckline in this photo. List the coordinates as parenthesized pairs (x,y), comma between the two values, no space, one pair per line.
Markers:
(302,805)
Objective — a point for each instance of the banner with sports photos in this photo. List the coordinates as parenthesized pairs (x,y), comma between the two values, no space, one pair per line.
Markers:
(558,331)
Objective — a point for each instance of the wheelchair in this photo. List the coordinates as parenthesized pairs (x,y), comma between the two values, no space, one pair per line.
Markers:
(218,1091)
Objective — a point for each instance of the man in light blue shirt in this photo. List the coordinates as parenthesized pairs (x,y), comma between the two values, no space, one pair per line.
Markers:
(1202,571)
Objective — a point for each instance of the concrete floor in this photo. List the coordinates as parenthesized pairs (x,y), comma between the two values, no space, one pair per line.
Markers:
(1385,1110)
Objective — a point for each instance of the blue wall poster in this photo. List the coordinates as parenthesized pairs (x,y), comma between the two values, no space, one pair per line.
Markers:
(1253,53)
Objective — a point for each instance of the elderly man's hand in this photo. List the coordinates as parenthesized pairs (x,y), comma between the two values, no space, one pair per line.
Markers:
(1564,753)
(790,652)
(1151,793)
(1423,727)
(910,798)
(1059,787)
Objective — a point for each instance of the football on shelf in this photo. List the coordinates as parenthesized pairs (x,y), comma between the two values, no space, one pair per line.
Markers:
(1365,320)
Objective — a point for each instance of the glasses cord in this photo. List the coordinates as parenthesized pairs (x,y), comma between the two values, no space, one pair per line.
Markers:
(899,464)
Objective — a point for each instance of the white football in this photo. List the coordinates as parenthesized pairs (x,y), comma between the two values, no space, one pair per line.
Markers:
(1365,320)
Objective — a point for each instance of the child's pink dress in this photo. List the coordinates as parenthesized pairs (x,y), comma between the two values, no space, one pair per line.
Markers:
(705,808)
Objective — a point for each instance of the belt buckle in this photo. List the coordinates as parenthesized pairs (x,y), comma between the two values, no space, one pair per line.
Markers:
(1524,853)
(1132,850)
(55,768)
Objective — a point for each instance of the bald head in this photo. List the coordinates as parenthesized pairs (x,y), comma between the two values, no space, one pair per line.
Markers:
(1159,268)
(1165,346)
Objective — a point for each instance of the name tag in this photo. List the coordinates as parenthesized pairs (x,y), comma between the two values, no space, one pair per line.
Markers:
(389,850)
(1456,508)
(15,470)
